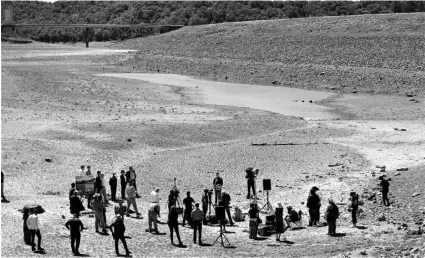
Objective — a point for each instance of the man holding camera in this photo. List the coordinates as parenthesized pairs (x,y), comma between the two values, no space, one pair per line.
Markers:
(225,197)
(218,184)
(250,176)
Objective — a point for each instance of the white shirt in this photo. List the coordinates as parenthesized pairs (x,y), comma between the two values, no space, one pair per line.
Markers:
(132,175)
(156,197)
(102,179)
(32,222)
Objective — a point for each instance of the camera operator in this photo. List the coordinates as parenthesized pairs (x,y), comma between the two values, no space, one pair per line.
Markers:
(221,216)
(250,176)
(218,184)
(225,198)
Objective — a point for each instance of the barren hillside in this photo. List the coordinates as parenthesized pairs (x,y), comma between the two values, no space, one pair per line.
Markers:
(369,53)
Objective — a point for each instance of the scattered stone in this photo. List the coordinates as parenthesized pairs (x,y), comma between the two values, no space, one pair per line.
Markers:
(402,169)
(129,140)
(48,160)
(63,216)
(363,252)
(397,174)
(322,73)
(310,101)
(334,165)
(382,217)
(416,194)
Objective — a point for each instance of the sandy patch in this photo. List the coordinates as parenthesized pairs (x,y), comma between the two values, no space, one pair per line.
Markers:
(286,101)
(382,144)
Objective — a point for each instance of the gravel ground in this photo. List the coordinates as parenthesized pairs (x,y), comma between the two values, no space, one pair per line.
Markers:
(48,111)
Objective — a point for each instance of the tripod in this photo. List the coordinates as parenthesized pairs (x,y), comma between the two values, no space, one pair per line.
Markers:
(221,236)
(253,198)
(267,206)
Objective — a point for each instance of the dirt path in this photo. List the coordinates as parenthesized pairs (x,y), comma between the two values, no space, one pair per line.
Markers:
(59,110)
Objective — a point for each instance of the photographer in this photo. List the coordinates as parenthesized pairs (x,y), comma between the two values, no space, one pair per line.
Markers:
(250,176)
(225,197)
(218,184)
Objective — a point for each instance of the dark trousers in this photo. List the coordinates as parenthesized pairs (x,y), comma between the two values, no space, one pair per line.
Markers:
(314,216)
(331,227)
(113,193)
(123,192)
(122,238)
(75,242)
(385,198)
(197,226)
(251,185)
(217,194)
(187,216)
(89,197)
(33,234)
(253,226)
(27,234)
(205,210)
(354,215)
(174,227)
(228,214)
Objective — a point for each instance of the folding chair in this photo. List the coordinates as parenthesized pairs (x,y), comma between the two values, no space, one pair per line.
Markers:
(299,222)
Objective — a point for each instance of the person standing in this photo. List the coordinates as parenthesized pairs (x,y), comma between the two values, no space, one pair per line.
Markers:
(75,226)
(118,229)
(123,184)
(82,172)
(354,208)
(279,221)
(250,176)
(331,215)
(218,184)
(205,202)
(32,224)
(385,185)
(171,200)
(103,188)
(113,182)
(225,197)
(153,214)
(3,198)
(98,208)
(197,218)
(253,221)
(173,224)
(313,205)
(72,190)
(120,209)
(156,197)
(88,172)
(27,232)
(131,198)
(188,202)
(131,176)
(75,204)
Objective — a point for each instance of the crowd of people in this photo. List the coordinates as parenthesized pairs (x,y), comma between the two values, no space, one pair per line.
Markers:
(192,213)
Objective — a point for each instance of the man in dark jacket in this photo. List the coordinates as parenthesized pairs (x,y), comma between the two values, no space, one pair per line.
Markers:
(75,205)
(188,202)
(131,176)
(118,229)
(113,182)
(331,214)
(98,182)
(75,226)
(225,197)
(3,198)
(250,176)
(72,190)
(313,205)
(123,182)
(218,184)
(385,189)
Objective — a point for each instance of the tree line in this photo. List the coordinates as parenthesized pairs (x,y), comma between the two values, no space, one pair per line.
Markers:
(177,13)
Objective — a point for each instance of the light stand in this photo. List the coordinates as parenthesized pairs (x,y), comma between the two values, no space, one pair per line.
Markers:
(267,206)
(221,236)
